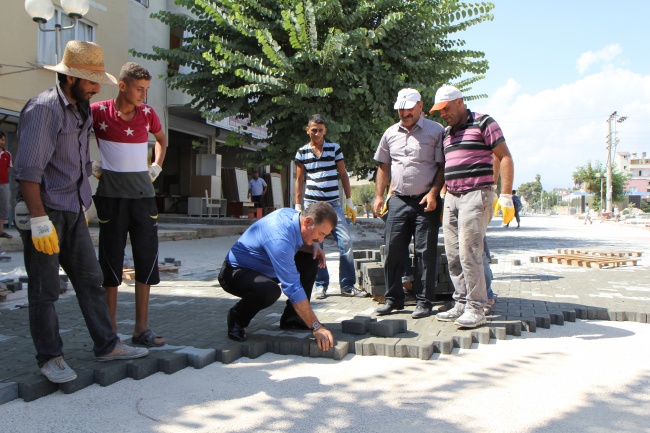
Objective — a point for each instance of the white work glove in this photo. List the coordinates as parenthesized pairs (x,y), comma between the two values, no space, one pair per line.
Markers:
(507,207)
(44,235)
(349,210)
(298,207)
(97,169)
(154,171)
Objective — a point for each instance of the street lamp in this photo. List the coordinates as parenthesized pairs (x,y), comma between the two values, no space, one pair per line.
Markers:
(42,10)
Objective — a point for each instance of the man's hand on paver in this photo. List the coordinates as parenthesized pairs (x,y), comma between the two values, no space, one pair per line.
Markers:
(506,206)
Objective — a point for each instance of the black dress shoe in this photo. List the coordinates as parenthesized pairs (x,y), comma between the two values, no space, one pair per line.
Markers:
(421,311)
(235,331)
(387,309)
(293,323)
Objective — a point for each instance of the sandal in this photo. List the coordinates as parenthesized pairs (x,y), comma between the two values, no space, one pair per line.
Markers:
(5,235)
(147,338)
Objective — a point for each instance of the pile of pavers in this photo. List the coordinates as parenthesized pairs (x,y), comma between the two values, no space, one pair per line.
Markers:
(369,266)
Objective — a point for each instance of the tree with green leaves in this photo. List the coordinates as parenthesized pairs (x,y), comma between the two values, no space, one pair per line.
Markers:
(280,61)
(531,191)
(591,175)
(363,194)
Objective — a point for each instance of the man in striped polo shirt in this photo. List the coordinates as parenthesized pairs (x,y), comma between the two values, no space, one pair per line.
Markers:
(474,145)
(320,163)
(410,157)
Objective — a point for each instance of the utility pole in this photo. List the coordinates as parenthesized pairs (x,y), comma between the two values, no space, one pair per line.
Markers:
(612,141)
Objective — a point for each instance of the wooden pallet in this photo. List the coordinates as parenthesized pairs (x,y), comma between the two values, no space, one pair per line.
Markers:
(588,260)
(600,252)
(129,274)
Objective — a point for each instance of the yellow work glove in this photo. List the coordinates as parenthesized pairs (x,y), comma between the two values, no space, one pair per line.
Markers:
(349,210)
(504,203)
(44,235)
(383,213)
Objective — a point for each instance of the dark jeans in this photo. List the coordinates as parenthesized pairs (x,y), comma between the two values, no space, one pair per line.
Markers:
(77,258)
(257,200)
(258,291)
(406,219)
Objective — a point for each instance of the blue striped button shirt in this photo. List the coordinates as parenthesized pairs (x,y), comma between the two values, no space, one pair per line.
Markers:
(413,155)
(53,151)
(322,173)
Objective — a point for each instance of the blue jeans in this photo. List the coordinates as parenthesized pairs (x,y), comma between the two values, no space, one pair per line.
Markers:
(347,276)
(78,259)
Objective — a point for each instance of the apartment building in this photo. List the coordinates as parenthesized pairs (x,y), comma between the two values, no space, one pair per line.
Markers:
(118,26)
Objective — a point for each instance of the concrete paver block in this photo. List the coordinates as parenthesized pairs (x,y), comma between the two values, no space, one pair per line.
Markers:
(229,354)
(32,386)
(143,367)
(8,391)
(385,328)
(107,373)
(199,358)
(85,378)
(169,362)
(355,326)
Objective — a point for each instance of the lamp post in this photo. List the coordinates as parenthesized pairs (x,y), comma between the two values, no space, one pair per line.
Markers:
(611,140)
(42,10)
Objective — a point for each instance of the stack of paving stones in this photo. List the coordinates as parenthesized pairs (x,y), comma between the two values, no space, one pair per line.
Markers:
(369,265)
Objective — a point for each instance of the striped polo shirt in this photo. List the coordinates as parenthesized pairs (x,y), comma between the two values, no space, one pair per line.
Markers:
(123,145)
(322,174)
(469,161)
(413,155)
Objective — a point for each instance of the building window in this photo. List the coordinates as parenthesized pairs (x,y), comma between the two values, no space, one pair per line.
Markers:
(144,3)
(83,31)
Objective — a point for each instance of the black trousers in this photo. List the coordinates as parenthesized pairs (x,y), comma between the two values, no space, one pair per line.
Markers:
(257,291)
(407,219)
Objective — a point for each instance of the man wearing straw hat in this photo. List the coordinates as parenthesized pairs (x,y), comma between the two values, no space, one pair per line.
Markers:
(52,166)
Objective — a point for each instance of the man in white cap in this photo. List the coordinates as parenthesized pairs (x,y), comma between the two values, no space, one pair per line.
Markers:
(410,157)
(474,150)
(52,166)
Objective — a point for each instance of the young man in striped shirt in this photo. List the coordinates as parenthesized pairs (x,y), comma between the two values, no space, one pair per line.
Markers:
(320,163)
(473,145)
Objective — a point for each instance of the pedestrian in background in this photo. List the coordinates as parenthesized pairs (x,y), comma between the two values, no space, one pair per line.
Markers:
(5,188)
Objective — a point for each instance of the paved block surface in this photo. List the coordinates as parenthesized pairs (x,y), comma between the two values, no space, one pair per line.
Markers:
(189,308)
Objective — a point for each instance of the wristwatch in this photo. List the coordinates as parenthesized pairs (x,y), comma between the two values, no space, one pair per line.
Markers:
(316,325)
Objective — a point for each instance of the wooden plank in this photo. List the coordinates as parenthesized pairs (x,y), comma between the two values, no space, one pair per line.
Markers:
(587,260)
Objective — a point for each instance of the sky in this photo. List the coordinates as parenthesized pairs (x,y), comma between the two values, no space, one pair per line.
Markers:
(558,70)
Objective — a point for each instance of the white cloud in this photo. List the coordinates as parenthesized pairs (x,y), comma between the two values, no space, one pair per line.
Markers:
(606,55)
(554,131)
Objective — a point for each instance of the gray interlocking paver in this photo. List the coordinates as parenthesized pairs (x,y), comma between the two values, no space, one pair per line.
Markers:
(189,308)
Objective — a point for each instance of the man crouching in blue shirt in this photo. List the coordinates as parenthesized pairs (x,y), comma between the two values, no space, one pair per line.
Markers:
(281,247)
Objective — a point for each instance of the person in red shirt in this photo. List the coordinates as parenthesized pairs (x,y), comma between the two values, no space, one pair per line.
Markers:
(5,192)
(125,197)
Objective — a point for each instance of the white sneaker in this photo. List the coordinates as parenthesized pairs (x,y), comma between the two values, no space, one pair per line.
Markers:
(471,318)
(321,292)
(57,371)
(453,314)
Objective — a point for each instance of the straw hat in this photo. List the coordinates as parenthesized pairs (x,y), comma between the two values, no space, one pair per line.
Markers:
(84,60)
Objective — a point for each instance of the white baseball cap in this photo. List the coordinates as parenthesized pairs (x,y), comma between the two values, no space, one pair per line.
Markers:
(444,95)
(406,99)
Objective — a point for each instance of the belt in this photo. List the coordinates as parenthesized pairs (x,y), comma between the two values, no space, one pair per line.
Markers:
(411,197)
